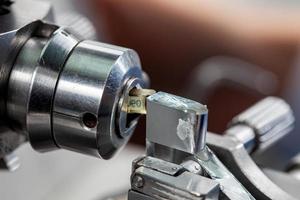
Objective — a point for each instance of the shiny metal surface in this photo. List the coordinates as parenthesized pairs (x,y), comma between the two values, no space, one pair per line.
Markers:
(42,88)
(20,82)
(34,29)
(93,82)
(158,179)
(180,125)
(270,119)
(235,157)
(176,122)
(230,186)
(32,85)
(16,28)
(66,94)
(42,105)
(192,166)
(229,163)
(243,134)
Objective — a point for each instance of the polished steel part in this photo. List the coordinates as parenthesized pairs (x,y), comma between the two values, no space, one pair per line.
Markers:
(153,178)
(32,85)
(42,88)
(95,79)
(217,171)
(65,92)
(236,158)
(229,162)
(11,138)
(179,125)
(243,134)
(59,90)
(16,28)
(176,122)
(192,166)
(263,124)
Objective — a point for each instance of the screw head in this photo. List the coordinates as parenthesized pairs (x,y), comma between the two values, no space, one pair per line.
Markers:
(138,181)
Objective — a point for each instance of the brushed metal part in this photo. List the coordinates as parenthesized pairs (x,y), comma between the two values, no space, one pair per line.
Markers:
(176,122)
(32,86)
(16,28)
(192,166)
(20,81)
(236,158)
(163,166)
(165,180)
(42,88)
(22,35)
(230,186)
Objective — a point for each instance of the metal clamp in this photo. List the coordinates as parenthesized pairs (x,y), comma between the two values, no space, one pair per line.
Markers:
(237,174)
(154,178)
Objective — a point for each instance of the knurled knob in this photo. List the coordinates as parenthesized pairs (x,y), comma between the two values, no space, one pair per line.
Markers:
(270,119)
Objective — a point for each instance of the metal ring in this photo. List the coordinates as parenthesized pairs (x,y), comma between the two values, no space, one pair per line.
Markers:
(46,74)
(36,28)
(92,82)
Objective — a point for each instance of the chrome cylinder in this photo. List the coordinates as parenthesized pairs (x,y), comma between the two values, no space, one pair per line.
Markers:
(67,93)
(90,90)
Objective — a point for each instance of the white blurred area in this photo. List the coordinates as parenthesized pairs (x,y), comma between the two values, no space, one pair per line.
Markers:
(64,175)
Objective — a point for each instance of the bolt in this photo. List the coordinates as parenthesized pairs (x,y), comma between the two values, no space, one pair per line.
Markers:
(137,181)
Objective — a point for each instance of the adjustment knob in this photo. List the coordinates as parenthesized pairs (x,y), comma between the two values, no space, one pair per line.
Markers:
(269,120)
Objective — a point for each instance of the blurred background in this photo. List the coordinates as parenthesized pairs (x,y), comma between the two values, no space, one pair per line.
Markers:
(225,54)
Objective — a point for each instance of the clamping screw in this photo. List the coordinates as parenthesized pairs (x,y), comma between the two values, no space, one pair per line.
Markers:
(137,181)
